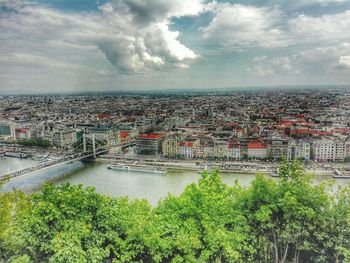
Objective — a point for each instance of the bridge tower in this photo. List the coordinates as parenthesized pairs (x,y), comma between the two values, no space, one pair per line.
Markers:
(92,138)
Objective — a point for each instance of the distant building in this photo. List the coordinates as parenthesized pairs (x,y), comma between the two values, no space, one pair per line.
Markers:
(101,133)
(149,144)
(7,131)
(170,146)
(299,149)
(186,149)
(233,151)
(277,148)
(22,133)
(65,138)
(328,149)
(220,150)
(257,150)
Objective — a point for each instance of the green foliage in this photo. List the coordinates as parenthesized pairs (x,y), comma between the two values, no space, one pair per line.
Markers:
(285,220)
(11,205)
(34,142)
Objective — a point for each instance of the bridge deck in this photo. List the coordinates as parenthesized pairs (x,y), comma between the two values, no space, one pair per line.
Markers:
(47,165)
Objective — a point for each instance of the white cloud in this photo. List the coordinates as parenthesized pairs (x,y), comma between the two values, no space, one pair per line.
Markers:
(344,61)
(326,28)
(237,26)
(116,31)
(241,26)
(330,60)
(146,12)
(264,66)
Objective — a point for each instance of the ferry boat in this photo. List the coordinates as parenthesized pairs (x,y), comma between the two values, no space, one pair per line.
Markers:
(134,168)
(16,155)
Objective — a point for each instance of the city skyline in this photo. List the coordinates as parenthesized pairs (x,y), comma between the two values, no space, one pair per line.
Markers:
(123,45)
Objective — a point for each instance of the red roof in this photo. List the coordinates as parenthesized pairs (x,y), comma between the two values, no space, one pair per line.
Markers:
(21,130)
(102,116)
(256,145)
(286,122)
(124,134)
(306,131)
(151,136)
(186,144)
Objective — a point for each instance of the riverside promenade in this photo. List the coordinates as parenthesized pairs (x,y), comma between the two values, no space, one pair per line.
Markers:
(223,166)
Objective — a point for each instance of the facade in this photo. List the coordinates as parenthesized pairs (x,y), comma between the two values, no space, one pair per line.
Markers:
(327,149)
(208,150)
(64,138)
(7,131)
(170,146)
(299,149)
(257,150)
(149,144)
(233,151)
(101,133)
(22,133)
(187,149)
(277,148)
(113,137)
(220,150)
(347,149)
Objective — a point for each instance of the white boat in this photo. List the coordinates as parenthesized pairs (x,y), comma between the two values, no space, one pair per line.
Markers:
(134,168)
(16,155)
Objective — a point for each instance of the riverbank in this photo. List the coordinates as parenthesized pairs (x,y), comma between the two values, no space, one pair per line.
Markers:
(225,167)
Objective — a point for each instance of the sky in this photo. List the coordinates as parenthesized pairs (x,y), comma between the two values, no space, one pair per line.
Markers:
(53,46)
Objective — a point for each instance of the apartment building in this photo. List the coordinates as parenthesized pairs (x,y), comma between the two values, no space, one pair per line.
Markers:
(299,149)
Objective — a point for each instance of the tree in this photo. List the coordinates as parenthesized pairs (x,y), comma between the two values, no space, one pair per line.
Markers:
(11,204)
(288,220)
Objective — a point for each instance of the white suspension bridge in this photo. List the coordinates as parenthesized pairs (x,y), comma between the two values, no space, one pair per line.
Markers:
(71,156)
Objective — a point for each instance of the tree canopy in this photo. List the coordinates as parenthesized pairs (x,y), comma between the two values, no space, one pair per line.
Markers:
(284,220)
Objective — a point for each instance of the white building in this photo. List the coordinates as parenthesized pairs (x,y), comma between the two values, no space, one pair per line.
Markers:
(257,150)
(299,149)
(65,138)
(328,149)
(186,149)
(233,151)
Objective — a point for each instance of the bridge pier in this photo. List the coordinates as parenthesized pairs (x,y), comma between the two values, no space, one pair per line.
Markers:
(93,146)
(93,140)
(84,143)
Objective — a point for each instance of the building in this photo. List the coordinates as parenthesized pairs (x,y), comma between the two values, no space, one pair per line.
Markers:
(22,134)
(186,148)
(7,131)
(149,144)
(328,149)
(101,133)
(233,151)
(277,148)
(257,150)
(347,149)
(299,149)
(220,150)
(170,146)
(64,139)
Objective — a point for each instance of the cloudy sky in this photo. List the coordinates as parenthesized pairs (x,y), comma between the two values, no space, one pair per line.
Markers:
(121,45)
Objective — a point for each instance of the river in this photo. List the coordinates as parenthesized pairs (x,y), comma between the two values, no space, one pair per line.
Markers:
(148,186)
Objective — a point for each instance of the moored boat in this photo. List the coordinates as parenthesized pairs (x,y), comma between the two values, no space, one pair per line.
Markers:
(16,155)
(135,168)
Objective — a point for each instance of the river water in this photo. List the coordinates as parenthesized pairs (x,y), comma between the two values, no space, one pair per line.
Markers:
(139,185)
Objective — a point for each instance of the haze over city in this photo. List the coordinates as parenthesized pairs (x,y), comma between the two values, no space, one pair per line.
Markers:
(122,45)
